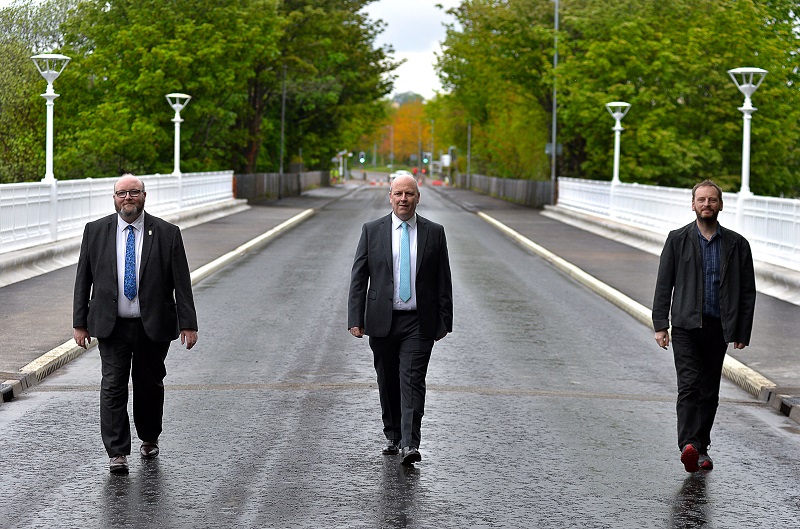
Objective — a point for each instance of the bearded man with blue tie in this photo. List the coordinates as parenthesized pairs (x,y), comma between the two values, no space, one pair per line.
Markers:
(401,296)
(133,292)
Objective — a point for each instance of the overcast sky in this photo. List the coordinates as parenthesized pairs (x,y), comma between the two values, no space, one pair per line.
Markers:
(415,29)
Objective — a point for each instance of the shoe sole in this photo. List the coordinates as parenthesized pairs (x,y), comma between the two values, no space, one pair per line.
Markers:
(390,452)
(151,455)
(689,458)
(118,470)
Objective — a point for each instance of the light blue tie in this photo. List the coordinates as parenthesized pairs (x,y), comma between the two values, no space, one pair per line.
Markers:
(405,263)
(129,287)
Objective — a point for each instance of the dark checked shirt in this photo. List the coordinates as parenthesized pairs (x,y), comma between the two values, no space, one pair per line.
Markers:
(710,251)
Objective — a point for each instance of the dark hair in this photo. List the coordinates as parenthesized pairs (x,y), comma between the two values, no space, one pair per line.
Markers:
(708,183)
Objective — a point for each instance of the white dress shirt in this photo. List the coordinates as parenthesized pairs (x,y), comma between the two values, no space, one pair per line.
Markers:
(128,308)
(399,304)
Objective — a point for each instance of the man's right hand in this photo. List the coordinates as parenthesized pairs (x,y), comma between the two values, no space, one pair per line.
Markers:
(358,332)
(81,336)
(662,338)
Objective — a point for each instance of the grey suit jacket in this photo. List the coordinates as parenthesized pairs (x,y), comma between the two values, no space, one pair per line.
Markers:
(165,285)
(372,280)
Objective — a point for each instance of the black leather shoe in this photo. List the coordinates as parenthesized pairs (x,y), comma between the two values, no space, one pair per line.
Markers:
(410,455)
(149,450)
(392,448)
(118,465)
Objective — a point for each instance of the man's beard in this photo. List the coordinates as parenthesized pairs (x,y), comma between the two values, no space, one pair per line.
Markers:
(129,211)
(711,221)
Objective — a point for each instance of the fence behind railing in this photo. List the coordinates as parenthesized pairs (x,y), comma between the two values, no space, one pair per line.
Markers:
(36,213)
(771,225)
(531,193)
(270,186)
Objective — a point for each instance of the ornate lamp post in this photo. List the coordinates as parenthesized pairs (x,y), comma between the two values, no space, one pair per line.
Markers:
(618,110)
(50,65)
(178,102)
(747,81)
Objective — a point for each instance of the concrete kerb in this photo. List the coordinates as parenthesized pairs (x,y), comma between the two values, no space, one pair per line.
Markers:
(746,378)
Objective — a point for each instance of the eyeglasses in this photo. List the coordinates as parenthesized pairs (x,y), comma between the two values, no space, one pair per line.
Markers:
(132,192)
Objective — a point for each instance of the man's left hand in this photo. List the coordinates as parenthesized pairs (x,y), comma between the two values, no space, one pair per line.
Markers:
(739,345)
(188,337)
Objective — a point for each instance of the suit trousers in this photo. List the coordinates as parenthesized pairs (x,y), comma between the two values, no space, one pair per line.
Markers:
(401,364)
(699,354)
(128,354)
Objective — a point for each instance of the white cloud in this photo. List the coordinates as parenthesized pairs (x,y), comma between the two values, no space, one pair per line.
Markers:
(414,28)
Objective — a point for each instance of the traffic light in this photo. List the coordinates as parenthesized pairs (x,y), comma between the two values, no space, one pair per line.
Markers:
(362,157)
(425,157)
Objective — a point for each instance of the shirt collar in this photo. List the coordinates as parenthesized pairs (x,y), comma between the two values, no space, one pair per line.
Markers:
(396,222)
(717,233)
(138,224)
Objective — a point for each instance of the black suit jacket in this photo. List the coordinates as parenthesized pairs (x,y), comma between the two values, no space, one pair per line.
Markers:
(165,285)
(372,280)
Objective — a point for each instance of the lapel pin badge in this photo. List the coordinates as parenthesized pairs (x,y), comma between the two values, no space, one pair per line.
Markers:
(149,232)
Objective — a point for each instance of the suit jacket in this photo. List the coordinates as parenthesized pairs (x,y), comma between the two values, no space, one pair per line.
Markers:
(165,286)
(372,282)
(679,285)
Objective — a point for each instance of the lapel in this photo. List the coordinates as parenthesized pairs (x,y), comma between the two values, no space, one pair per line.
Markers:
(422,238)
(148,229)
(111,242)
(385,234)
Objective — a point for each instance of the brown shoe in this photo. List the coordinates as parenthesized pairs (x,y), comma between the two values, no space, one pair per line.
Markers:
(118,465)
(149,450)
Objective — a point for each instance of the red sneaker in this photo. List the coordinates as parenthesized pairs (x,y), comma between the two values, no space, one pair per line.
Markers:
(705,462)
(689,458)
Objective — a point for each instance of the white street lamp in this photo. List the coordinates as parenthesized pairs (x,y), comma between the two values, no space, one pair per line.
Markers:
(178,102)
(50,65)
(747,81)
(618,110)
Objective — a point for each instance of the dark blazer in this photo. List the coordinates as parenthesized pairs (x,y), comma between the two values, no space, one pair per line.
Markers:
(372,280)
(679,285)
(165,285)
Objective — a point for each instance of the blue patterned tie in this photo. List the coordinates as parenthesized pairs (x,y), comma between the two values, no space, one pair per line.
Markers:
(405,263)
(130,265)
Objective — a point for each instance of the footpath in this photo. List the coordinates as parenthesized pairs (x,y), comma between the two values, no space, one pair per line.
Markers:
(36,312)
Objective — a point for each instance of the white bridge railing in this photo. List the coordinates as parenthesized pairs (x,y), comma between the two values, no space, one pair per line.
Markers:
(771,225)
(36,213)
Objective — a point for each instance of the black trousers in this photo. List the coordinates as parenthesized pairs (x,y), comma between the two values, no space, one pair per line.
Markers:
(401,364)
(699,354)
(129,354)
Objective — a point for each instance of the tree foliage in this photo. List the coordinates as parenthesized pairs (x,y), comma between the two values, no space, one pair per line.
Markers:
(669,59)
(249,65)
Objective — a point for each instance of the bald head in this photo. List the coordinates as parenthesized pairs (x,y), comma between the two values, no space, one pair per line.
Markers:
(404,196)
(129,197)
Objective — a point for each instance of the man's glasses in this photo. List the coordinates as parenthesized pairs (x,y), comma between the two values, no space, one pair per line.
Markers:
(132,192)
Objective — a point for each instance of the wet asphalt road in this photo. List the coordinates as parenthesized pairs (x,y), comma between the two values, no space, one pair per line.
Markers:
(547,407)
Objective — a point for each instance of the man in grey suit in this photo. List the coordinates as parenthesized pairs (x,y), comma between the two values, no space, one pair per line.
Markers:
(401,296)
(133,291)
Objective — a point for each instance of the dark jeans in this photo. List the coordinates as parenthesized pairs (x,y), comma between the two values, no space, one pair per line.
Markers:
(401,364)
(699,354)
(128,353)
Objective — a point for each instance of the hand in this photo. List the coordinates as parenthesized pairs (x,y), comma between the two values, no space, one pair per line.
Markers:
(188,337)
(739,345)
(358,332)
(81,337)
(662,338)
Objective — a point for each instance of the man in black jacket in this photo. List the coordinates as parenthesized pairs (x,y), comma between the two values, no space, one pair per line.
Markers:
(133,291)
(401,296)
(706,277)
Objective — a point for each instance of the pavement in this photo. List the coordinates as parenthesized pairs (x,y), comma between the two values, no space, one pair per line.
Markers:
(619,265)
